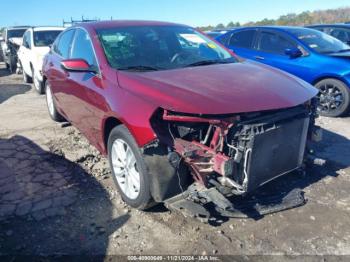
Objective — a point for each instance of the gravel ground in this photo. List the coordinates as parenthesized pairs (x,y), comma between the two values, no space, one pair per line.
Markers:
(57,197)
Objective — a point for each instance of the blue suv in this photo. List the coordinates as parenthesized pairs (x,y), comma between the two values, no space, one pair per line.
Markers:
(315,57)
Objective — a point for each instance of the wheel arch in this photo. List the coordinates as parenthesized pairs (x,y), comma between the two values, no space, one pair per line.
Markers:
(108,124)
(320,78)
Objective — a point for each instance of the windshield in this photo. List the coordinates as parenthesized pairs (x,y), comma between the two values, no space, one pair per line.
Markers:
(15,33)
(160,48)
(45,38)
(318,41)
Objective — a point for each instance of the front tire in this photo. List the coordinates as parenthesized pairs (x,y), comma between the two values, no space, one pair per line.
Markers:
(51,106)
(334,98)
(26,79)
(128,169)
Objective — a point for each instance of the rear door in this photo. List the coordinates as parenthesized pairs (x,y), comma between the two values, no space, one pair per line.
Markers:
(57,76)
(24,53)
(242,42)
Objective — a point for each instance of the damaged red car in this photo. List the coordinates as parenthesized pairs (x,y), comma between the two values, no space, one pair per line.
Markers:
(181,119)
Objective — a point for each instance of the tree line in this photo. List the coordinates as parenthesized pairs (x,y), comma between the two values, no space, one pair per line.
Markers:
(330,16)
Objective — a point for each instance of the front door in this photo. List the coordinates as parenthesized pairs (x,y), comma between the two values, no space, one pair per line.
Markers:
(86,89)
(270,50)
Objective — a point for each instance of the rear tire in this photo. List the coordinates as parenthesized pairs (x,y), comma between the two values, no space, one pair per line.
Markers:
(128,169)
(51,105)
(334,97)
(38,85)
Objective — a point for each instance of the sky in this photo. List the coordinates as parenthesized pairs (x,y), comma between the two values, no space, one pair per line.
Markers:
(190,12)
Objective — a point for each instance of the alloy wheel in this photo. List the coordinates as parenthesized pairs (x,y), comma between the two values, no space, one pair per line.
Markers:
(125,169)
(330,98)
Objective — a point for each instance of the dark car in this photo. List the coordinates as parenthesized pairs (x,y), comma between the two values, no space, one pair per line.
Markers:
(12,41)
(315,57)
(339,31)
(175,111)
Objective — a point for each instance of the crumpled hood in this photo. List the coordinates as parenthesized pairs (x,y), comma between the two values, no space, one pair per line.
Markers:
(219,89)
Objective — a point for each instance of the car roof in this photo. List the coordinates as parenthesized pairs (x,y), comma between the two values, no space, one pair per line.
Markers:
(329,25)
(286,29)
(17,27)
(47,28)
(273,27)
(123,23)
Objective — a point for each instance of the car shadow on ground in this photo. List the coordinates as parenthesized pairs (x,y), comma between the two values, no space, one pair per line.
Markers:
(275,192)
(4,71)
(9,90)
(51,206)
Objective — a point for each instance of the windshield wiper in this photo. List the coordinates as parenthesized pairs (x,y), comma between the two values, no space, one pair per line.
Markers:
(140,68)
(208,62)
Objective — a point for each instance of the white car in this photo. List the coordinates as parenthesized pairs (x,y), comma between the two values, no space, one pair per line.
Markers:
(36,44)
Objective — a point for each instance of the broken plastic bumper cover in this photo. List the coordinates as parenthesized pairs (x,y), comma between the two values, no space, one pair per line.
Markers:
(230,156)
(205,204)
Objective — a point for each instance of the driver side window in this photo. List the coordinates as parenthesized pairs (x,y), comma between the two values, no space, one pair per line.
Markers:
(274,43)
(82,48)
(64,44)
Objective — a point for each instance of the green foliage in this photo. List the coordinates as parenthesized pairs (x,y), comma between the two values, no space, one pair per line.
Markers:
(219,26)
(330,16)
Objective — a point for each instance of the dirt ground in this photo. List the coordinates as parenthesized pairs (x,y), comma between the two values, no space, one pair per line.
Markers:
(57,197)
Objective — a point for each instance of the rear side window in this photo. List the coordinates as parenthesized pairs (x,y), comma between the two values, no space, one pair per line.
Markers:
(64,44)
(243,39)
(274,43)
(341,33)
(82,47)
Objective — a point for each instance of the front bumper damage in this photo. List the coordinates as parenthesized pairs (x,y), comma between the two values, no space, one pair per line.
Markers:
(232,155)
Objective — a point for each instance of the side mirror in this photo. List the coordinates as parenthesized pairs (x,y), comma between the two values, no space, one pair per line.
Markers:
(293,52)
(77,65)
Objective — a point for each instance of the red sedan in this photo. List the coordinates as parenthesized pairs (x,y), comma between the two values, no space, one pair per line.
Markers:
(176,112)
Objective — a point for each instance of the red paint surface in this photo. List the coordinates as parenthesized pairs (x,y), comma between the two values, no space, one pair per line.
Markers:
(132,98)
(75,64)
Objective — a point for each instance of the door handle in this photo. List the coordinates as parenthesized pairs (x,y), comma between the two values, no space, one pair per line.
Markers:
(259,57)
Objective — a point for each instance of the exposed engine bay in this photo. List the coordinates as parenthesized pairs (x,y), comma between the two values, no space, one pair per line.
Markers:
(236,154)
